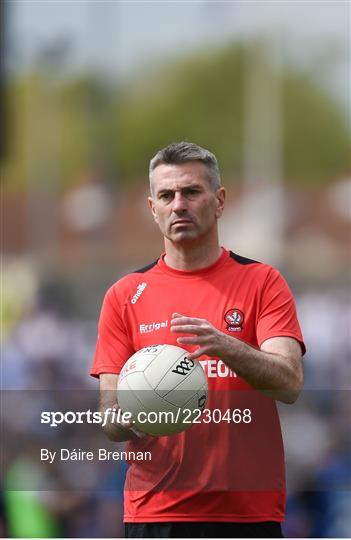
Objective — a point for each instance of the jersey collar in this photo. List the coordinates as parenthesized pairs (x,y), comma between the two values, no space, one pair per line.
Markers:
(190,273)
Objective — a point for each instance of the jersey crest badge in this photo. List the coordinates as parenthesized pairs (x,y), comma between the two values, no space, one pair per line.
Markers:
(234,319)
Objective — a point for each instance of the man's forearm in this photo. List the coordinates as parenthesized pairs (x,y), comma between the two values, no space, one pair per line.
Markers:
(118,433)
(276,369)
(114,430)
(273,374)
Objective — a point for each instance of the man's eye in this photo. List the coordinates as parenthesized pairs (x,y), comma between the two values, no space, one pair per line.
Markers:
(165,196)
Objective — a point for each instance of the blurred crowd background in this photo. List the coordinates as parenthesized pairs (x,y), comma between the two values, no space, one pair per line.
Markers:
(90,91)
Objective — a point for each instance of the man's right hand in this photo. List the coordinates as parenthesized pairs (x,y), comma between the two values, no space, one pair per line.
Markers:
(115,431)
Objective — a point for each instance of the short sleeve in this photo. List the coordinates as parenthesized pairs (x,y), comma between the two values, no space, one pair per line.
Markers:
(277,311)
(113,345)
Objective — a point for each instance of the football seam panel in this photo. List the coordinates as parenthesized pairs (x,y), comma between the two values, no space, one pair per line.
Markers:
(159,382)
(180,382)
(136,396)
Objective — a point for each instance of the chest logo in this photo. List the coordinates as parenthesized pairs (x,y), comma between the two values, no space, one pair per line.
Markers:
(234,319)
(152,327)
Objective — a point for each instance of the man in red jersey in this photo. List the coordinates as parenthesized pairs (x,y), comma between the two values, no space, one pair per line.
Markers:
(238,318)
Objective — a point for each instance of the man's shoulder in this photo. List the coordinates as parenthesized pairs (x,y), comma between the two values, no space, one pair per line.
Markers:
(144,269)
(132,279)
(257,270)
(244,261)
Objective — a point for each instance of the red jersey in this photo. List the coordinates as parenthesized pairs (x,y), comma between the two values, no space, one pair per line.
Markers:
(220,470)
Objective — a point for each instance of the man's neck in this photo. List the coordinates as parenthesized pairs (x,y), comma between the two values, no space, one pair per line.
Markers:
(190,258)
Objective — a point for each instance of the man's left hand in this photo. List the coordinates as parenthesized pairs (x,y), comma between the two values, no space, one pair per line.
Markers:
(211,341)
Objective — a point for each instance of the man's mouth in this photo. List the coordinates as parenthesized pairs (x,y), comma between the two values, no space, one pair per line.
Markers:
(182,221)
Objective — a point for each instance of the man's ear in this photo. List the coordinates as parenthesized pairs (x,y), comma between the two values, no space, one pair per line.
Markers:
(220,196)
(150,201)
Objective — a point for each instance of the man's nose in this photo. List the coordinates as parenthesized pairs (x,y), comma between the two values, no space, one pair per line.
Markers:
(179,202)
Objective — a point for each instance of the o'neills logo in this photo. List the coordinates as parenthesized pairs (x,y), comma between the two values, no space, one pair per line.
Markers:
(140,288)
(234,319)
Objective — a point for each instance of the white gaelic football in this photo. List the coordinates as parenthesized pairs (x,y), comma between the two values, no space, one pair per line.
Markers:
(162,389)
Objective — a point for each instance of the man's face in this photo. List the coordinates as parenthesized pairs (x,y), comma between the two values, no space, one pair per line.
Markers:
(183,204)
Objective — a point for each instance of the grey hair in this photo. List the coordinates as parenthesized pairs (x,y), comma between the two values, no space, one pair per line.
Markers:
(183,152)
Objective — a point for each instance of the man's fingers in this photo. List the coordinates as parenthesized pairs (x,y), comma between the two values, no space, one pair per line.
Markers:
(178,319)
(191,325)
(129,424)
(188,340)
(138,433)
(187,329)
(196,354)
